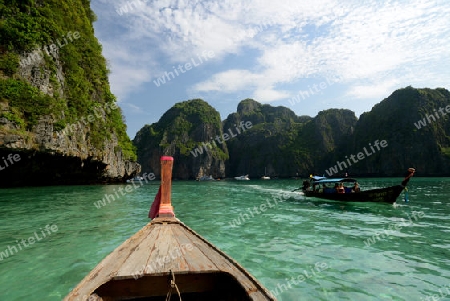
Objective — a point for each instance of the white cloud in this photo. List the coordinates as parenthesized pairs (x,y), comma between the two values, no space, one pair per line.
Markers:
(127,79)
(371,46)
(366,42)
(230,81)
(136,109)
(269,95)
(376,90)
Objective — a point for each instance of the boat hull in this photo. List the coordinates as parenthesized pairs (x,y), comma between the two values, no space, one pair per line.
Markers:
(381,195)
(193,286)
(143,266)
(166,260)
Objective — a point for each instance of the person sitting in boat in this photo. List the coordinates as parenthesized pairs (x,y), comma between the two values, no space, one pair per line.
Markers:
(306,186)
(321,190)
(341,188)
(336,187)
(356,188)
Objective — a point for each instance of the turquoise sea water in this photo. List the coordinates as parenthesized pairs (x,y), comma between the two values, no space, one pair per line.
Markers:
(301,249)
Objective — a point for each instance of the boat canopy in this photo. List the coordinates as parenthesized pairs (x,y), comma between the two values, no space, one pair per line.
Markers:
(324,180)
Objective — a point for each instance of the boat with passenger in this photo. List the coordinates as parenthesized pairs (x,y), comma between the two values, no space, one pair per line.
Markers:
(166,260)
(242,178)
(348,190)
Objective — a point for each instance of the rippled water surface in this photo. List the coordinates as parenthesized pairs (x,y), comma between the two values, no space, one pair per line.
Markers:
(300,249)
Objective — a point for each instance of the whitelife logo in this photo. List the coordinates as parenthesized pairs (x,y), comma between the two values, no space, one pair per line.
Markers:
(187,66)
(128,7)
(11,158)
(37,55)
(379,235)
(319,267)
(342,165)
(81,122)
(157,264)
(312,90)
(47,231)
(199,150)
(431,118)
(108,198)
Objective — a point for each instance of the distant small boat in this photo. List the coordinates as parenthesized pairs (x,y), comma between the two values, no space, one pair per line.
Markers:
(206,178)
(242,178)
(166,260)
(135,179)
(319,187)
(265,177)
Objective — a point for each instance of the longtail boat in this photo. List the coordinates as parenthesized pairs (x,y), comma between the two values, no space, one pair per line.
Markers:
(166,260)
(319,187)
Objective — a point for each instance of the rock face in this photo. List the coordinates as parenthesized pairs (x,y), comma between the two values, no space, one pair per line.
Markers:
(263,148)
(414,124)
(57,113)
(281,143)
(188,132)
(256,140)
(410,128)
(51,158)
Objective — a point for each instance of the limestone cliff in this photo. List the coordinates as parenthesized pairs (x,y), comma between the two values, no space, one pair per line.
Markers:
(188,132)
(282,143)
(414,123)
(410,128)
(56,109)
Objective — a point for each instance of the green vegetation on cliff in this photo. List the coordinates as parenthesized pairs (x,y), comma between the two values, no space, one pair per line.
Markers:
(282,143)
(68,83)
(417,133)
(182,129)
(414,123)
(177,125)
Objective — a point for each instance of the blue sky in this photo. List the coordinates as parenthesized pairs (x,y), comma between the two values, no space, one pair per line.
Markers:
(305,55)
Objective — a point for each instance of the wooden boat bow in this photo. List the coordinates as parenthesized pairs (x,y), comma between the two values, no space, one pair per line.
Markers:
(166,252)
(165,208)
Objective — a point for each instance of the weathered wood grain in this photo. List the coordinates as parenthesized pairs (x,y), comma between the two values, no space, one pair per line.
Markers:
(149,254)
